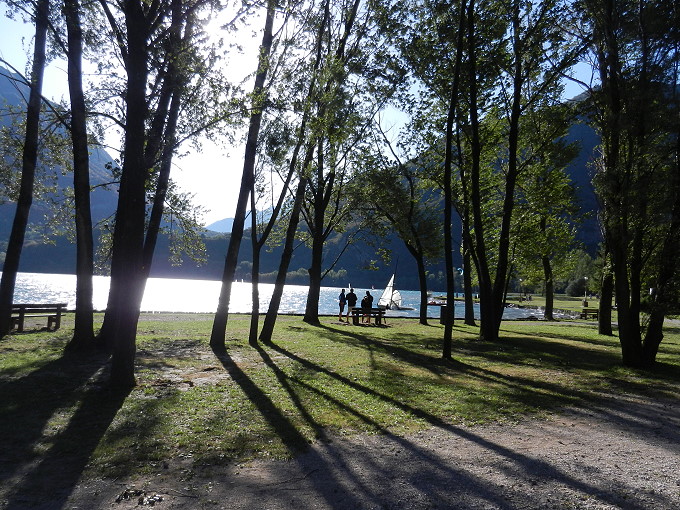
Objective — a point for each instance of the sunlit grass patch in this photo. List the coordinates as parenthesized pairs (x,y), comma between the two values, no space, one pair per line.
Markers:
(191,406)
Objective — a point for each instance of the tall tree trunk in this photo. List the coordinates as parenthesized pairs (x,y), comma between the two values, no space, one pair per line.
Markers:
(499,285)
(448,193)
(127,277)
(83,334)
(158,146)
(156,216)
(549,288)
(317,231)
(286,256)
(616,206)
(29,163)
(487,328)
(467,283)
(255,290)
(219,328)
(604,316)
(164,139)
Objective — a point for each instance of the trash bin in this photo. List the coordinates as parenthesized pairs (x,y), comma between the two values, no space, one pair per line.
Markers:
(444,311)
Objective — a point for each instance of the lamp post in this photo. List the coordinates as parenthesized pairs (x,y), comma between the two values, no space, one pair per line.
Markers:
(585,292)
(520,290)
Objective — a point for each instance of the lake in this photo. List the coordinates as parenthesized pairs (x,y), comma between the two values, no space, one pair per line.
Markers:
(179,295)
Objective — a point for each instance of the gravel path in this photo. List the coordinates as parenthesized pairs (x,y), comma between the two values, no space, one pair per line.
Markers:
(623,453)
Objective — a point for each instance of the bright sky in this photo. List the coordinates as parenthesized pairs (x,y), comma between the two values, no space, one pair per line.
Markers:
(213,173)
(210,174)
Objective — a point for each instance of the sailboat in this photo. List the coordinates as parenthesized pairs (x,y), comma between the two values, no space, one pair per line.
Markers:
(391,298)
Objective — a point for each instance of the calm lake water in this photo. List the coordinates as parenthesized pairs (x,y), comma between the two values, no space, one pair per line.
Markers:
(178,295)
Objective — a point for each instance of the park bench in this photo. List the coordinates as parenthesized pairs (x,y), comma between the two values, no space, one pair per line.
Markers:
(589,312)
(53,312)
(378,313)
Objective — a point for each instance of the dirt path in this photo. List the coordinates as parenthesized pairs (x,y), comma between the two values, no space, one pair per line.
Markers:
(624,453)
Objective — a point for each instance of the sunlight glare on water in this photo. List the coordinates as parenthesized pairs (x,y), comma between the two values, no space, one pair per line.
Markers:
(181,295)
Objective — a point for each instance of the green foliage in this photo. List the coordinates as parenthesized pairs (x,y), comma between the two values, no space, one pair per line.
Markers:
(399,197)
(54,157)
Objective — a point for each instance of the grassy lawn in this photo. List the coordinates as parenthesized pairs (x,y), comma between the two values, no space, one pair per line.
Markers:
(560,302)
(313,382)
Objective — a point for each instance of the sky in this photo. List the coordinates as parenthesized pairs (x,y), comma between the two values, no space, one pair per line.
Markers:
(213,172)
(209,173)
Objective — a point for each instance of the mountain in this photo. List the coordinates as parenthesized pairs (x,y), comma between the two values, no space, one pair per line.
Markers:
(223,226)
(581,173)
(104,199)
(359,266)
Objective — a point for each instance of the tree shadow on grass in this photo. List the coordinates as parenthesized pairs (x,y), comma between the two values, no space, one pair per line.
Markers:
(291,437)
(544,393)
(558,354)
(441,476)
(44,457)
(430,466)
(529,392)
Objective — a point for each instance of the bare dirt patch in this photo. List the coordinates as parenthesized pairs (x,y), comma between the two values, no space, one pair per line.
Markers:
(622,453)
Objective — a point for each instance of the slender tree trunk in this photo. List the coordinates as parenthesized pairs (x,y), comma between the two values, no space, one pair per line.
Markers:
(549,288)
(255,291)
(165,140)
(127,277)
(317,231)
(466,239)
(156,216)
(604,316)
(487,329)
(499,285)
(286,256)
(448,193)
(467,284)
(29,163)
(219,328)
(83,334)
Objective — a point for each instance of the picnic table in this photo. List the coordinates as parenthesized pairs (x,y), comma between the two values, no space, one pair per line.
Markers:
(378,313)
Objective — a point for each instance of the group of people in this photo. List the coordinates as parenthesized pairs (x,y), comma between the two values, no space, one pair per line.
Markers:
(350,300)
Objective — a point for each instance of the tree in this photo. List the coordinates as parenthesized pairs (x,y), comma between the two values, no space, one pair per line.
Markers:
(83,332)
(395,192)
(304,141)
(548,210)
(247,186)
(258,243)
(158,62)
(336,129)
(29,162)
(634,46)
(534,60)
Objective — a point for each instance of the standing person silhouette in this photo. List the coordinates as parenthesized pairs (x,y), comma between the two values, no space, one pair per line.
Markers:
(342,299)
(367,304)
(351,302)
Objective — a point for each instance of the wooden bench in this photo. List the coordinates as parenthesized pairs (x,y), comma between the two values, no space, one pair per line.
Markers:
(378,313)
(53,312)
(589,312)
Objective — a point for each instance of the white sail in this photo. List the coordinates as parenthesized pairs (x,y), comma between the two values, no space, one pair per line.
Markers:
(396,299)
(386,299)
(390,298)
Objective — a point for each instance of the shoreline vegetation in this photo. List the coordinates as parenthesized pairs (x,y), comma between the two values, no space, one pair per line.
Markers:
(274,400)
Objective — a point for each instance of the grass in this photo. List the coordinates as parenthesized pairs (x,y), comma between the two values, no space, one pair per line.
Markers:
(312,383)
